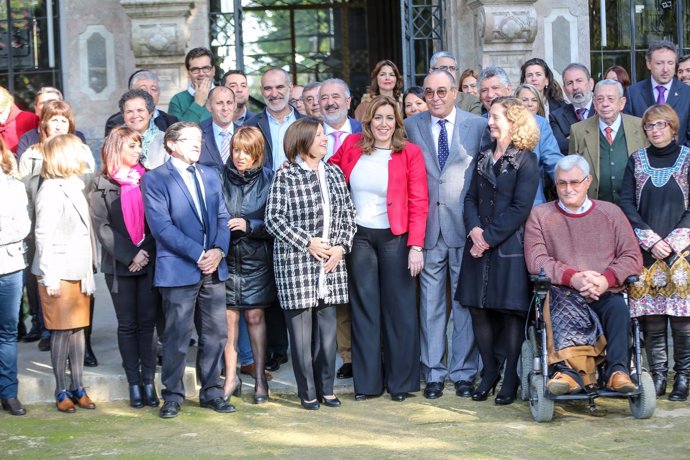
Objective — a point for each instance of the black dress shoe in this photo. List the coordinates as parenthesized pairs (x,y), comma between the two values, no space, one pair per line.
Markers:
(401,397)
(136,399)
(218,405)
(433,390)
(13,406)
(44,344)
(333,402)
(345,371)
(151,395)
(33,335)
(314,405)
(464,388)
(170,409)
(360,397)
(89,358)
(274,361)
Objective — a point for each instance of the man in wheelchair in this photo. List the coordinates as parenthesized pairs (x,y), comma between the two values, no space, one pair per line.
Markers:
(588,249)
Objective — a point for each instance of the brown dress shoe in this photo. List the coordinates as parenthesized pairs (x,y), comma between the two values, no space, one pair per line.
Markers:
(620,382)
(561,384)
(250,370)
(65,404)
(81,399)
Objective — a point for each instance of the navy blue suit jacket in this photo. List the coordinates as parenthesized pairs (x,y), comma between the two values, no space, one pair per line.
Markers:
(260,120)
(356,125)
(178,229)
(641,97)
(561,120)
(210,156)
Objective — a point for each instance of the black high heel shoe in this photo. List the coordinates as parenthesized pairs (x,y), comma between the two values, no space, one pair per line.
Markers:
(482,395)
(332,402)
(136,399)
(260,398)
(503,399)
(236,389)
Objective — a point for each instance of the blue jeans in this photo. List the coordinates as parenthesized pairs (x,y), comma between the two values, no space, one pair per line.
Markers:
(11,285)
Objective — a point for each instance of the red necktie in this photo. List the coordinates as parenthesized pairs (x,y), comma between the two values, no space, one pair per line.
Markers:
(609,130)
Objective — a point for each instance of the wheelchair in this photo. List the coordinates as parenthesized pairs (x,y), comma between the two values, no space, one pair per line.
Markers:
(535,368)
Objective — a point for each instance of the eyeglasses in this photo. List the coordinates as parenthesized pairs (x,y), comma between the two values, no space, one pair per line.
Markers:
(572,183)
(198,70)
(659,125)
(295,101)
(447,68)
(441,93)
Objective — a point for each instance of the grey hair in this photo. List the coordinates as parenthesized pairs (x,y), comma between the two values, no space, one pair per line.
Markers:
(569,162)
(286,74)
(144,75)
(609,82)
(312,85)
(578,66)
(660,45)
(493,71)
(49,90)
(441,54)
(333,81)
(448,75)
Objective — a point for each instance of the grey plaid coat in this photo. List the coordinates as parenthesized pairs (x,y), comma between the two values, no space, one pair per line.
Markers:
(294,215)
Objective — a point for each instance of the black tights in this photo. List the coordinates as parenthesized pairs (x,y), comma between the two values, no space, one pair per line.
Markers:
(658,323)
(257,336)
(491,328)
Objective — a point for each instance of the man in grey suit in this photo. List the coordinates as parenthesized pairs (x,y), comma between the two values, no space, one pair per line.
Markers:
(449,139)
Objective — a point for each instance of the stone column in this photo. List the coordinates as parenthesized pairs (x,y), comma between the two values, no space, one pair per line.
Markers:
(505,30)
(159,39)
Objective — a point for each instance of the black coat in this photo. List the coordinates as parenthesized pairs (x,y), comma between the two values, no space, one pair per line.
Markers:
(499,205)
(561,120)
(250,256)
(117,249)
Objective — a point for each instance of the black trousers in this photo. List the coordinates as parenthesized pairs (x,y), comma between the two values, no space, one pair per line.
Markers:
(206,301)
(312,335)
(615,318)
(136,304)
(276,330)
(383,296)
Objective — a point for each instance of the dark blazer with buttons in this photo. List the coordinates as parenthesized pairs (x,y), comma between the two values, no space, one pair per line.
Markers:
(176,227)
(260,120)
(640,97)
(210,156)
(561,120)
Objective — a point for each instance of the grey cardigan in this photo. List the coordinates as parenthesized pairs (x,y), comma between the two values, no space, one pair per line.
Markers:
(14,224)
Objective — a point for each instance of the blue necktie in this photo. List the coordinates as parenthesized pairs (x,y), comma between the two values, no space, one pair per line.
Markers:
(200,197)
(443,150)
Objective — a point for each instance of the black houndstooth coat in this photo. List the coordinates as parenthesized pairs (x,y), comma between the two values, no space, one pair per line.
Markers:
(294,215)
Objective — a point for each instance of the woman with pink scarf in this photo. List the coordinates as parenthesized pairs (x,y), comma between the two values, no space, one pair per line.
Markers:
(128,252)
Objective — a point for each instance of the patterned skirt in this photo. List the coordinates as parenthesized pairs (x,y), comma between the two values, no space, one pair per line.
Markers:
(662,289)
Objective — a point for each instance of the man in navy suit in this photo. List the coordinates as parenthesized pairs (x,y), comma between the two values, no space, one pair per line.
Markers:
(334,103)
(578,86)
(662,88)
(186,213)
(236,80)
(218,130)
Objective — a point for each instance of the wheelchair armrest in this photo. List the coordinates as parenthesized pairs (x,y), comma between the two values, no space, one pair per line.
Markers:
(632,279)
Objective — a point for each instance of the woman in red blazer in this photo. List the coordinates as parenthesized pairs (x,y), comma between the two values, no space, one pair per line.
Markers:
(387,180)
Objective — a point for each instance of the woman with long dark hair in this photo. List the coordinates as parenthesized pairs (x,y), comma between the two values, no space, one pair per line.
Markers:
(537,72)
(386,80)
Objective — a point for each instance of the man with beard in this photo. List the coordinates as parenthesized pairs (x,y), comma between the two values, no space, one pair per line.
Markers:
(236,80)
(273,121)
(334,102)
(190,104)
(578,85)
(662,88)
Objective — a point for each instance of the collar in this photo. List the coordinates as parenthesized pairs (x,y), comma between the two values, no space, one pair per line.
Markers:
(180,165)
(345,128)
(587,107)
(289,117)
(217,129)
(581,210)
(303,164)
(616,125)
(656,83)
(191,90)
(450,117)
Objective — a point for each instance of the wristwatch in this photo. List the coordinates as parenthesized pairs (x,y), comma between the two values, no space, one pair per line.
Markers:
(416,248)
(221,251)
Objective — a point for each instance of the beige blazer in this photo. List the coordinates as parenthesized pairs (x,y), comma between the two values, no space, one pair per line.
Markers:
(584,139)
(63,232)
(14,224)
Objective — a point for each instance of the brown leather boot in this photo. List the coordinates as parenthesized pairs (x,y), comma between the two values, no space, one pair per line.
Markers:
(81,399)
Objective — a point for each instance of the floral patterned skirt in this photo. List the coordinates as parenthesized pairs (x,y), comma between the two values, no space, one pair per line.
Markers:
(662,290)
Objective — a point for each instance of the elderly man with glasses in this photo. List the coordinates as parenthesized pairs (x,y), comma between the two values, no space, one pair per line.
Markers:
(444,60)
(587,248)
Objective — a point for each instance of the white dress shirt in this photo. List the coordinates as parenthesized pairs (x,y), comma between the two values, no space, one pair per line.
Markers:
(345,130)
(436,128)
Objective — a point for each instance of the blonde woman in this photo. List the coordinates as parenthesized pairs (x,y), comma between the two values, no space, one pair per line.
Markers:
(63,263)
(531,98)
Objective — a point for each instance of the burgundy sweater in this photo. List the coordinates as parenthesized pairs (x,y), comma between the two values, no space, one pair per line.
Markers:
(563,244)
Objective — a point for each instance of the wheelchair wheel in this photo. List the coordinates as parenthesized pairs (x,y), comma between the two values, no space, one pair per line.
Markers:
(527,365)
(541,407)
(643,405)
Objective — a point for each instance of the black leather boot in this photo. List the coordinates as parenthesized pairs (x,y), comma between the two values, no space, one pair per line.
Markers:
(89,357)
(681,356)
(656,346)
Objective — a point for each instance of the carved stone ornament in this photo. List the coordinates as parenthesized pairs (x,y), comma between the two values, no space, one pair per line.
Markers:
(505,21)
(158,27)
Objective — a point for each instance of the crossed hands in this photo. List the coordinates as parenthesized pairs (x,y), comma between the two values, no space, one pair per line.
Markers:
(139,262)
(590,284)
(661,249)
(210,261)
(479,244)
(322,251)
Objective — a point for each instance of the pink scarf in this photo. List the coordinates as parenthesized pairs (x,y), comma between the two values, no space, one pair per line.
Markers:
(132,202)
